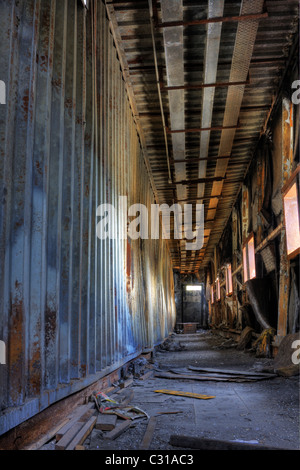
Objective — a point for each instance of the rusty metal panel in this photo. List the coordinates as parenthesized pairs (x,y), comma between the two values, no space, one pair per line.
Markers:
(72,307)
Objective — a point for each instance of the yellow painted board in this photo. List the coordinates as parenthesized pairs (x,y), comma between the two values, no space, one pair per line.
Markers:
(185,394)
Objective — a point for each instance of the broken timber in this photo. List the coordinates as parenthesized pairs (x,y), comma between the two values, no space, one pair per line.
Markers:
(76,416)
(81,436)
(214,378)
(77,429)
(185,394)
(232,372)
(118,430)
(145,444)
(69,436)
(106,422)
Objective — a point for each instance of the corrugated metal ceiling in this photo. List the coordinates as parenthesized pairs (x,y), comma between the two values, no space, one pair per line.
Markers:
(254,52)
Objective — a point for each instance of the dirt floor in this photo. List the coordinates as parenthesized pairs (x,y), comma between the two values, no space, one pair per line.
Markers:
(265,412)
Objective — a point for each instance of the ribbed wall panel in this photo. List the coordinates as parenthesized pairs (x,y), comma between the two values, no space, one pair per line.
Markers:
(72,307)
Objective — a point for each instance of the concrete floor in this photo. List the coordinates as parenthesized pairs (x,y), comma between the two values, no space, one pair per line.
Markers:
(266,412)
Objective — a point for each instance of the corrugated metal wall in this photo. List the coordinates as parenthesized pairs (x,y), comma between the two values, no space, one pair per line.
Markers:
(72,307)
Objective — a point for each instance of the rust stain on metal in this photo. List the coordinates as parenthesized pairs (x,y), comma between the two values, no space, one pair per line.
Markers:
(15,349)
(128,263)
(25,103)
(50,325)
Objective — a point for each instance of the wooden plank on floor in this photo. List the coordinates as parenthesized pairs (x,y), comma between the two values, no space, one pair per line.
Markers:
(145,444)
(168,375)
(124,396)
(46,437)
(147,375)
(126,383)
(185,394)
(230,372)
(81,436)
(74,417)
(118,430)
(106,422)
(68,436)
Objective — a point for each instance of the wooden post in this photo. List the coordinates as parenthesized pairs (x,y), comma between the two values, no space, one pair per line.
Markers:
(287,161)
(215,309)
(234,264)
(245,212)
(245,223)
(261,188)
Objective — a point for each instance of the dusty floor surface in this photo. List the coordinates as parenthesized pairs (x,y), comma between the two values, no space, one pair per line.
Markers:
(266,411)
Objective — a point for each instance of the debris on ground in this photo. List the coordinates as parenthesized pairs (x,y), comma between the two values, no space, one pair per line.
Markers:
(145,444)
(263,344)
(75,432)
(170,344)
(212,375)
(191,407)
(117,431)
(233,374)
(185,394)
(245,338)
(228,343)
(109,405)
(137,367)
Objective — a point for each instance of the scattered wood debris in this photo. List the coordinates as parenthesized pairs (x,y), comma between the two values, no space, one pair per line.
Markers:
(145,444)
(80,413)
(245,338)
(185,394)
(124,396)
(170,375)
(171,345)
(65,440)
(106,422)
(233,374)
(126,383)
(216,375)
(47,437)
(81,436)
(147,375)
(73,429)
(118,430)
